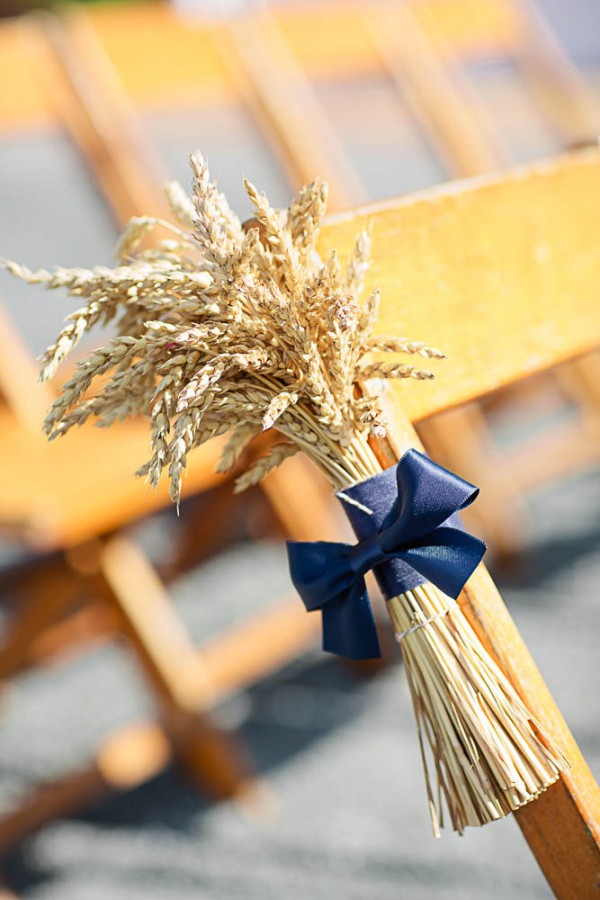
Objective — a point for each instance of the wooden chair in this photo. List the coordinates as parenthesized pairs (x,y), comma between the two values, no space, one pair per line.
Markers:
(569,114)
(526,314)
(418,45)
(68,504)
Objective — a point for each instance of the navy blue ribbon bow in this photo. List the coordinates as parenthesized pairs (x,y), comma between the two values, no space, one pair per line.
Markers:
(409,533)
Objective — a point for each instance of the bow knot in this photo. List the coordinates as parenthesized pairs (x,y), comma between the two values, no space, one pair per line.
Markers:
(365,555)
(408,533)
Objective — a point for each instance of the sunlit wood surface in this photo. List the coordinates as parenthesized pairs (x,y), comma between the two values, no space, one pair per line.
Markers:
(503,274)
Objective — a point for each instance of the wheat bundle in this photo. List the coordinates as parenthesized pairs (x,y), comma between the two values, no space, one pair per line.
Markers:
(221,329)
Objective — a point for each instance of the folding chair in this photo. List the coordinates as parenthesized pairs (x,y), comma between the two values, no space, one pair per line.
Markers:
(418,46)
(70,503)
(568,114)
(458,261)
(522,320)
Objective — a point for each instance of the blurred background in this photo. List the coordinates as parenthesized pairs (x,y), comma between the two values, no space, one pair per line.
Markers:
(170,727)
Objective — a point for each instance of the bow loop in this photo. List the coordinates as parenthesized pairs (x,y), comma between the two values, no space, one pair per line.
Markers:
(404,521)
(323,576)
(425,500)
(320,569)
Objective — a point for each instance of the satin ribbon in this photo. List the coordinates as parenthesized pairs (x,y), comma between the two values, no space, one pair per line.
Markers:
(409,533)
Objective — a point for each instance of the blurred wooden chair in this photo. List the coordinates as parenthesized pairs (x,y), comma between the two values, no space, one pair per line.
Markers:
(83,579)
(66,505)
(420,46)
(431,46)
(554,202)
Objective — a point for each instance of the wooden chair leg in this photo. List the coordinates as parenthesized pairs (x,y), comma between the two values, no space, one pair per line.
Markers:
(301,499)
(175,670)
(39,613)
(92,624)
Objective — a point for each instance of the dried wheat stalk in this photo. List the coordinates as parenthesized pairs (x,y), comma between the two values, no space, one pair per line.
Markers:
(221,330)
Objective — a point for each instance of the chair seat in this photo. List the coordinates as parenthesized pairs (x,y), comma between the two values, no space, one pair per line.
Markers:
(61,493)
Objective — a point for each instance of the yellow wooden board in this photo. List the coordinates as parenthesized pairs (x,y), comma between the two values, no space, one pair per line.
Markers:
(501,272)
(162,59)
(470,26)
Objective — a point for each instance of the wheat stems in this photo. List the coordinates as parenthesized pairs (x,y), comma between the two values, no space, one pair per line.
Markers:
(483,753)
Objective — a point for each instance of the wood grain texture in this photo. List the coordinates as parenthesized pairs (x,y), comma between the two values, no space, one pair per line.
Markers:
(501,272)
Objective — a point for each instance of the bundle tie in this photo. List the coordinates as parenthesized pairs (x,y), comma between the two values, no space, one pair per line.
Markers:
(408,534)
(400,635)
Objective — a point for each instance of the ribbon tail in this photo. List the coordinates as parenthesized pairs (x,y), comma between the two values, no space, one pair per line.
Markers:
(448,558)
(349,625)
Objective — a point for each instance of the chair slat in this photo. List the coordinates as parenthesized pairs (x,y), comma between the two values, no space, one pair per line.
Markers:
(90,102)
(470,266)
